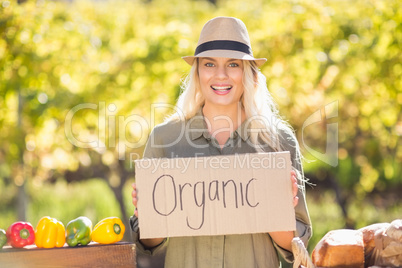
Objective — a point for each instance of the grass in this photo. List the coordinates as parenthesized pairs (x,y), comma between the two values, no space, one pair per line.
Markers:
(63,201)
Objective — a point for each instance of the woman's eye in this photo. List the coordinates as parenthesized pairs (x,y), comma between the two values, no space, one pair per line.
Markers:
(209,64)
(233,64)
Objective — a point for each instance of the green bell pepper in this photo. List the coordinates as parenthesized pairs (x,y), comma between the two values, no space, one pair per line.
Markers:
(79,232)
(3,238)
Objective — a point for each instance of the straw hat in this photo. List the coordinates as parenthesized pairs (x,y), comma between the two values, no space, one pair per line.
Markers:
(224,37)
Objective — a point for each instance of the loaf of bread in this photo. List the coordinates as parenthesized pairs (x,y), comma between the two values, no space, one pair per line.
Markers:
(340,248)
(394,231)
(376,245)
(369,241)
(388,246)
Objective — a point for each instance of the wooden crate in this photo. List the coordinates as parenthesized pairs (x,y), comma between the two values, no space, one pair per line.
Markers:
(120,254)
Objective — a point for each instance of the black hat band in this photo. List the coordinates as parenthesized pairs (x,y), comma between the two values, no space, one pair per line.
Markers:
(223,45)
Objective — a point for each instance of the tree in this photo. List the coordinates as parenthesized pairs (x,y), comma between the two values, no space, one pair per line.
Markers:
(93,71)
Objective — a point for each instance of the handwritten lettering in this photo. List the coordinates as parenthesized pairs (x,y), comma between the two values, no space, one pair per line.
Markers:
(229,192)
(174,191)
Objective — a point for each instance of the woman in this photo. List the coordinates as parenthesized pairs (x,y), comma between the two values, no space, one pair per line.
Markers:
(225,108)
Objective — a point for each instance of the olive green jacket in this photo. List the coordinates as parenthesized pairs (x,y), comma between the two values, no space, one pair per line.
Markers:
(191,139)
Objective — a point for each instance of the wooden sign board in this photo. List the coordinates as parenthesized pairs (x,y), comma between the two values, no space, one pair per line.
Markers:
(216,195)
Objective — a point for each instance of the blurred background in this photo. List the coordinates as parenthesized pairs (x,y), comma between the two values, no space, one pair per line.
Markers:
(82,83)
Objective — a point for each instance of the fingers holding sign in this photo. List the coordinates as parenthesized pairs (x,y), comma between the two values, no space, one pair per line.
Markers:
(295,188)
(134,198)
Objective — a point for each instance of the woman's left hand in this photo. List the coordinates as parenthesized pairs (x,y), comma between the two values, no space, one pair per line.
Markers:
(295,188)
(284,238)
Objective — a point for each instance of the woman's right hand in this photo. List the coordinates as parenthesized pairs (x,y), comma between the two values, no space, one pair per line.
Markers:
(147,243)
(134,198)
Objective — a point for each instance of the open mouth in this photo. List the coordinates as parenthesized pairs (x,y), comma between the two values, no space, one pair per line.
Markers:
(221,89)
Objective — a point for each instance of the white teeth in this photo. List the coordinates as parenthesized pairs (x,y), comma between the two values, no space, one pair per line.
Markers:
(221,88)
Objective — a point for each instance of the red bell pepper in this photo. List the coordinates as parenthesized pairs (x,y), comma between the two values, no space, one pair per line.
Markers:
(20,234)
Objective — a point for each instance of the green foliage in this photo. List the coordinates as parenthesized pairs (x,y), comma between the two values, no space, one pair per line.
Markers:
(91,198)
(117,58)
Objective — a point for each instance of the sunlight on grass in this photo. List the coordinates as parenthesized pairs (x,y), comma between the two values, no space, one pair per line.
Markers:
(63,201)
(325,215)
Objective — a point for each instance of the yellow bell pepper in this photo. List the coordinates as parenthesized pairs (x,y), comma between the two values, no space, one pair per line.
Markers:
(108,231)
(50,233)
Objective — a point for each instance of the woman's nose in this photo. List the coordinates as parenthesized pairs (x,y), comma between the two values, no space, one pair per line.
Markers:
(221,72)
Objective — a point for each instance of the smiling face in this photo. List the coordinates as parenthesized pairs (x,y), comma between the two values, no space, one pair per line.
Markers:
(221,81)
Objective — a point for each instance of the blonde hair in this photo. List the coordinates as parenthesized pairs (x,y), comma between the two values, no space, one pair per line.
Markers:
(265,125)
(191,98)
(265,122)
